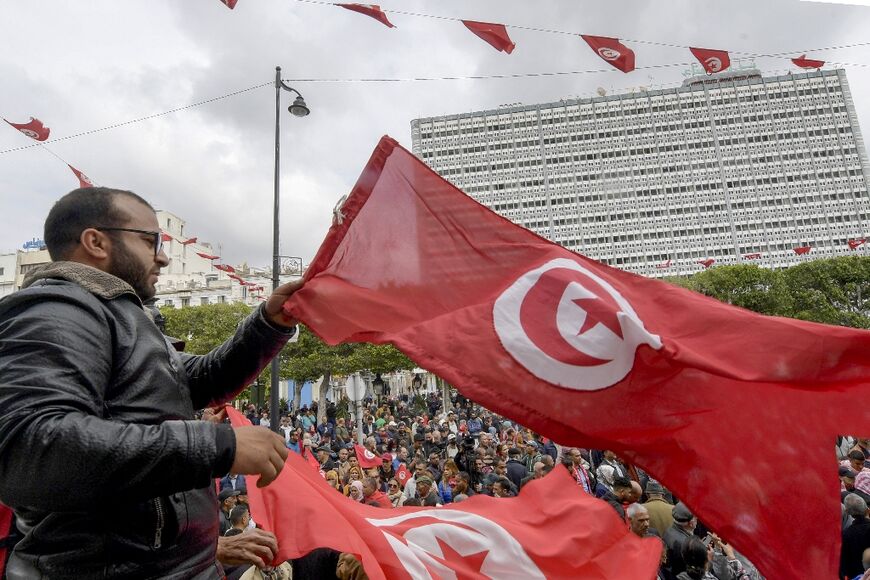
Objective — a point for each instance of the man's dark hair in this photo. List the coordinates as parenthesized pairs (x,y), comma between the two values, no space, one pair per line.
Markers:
(78,210)
(238,514)
(621,482)
(856,454)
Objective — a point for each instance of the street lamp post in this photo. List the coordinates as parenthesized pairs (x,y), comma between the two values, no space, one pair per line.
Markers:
(297,109)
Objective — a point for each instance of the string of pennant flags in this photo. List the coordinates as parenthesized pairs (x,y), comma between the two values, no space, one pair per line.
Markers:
(611,50)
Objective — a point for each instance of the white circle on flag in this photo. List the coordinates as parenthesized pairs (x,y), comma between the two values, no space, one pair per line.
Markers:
(713,64)
(570,327)
(609,53)
(30,133)
(368,454)
(448,534)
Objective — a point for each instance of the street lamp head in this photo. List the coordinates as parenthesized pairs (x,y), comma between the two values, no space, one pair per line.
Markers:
(299,108)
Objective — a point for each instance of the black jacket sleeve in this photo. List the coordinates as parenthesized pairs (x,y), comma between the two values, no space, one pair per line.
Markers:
(218,376)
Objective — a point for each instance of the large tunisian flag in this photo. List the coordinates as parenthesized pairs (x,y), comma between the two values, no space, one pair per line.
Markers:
(737,413)
(552,530)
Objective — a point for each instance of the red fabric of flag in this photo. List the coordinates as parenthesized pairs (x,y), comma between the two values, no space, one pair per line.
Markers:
(190,241)
(801,250)
(664,265)
(707,263)
(854,243)
(165,237)
(372,10)
(804,62)
(308,456)
(34,129)
(208,256)
(84,180)
(495,34)
(612,51)
(549,531)
(230,3)
(713,61)
(7,516)
(365,457)
(592,356)
(754,256)
(225,267)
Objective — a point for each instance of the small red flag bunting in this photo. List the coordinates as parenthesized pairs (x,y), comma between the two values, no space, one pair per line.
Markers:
(495,34)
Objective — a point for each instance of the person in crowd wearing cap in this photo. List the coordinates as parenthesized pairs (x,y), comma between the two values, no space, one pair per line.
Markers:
(847,481)
(531,456)
(386,470)
(452,448)
(324,457)
(676,536)
(661,513)
(516,469)
(425,491)
(856,538)
(373,495)
(227,499)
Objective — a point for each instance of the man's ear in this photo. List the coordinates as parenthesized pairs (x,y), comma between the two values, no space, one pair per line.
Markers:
(95,244)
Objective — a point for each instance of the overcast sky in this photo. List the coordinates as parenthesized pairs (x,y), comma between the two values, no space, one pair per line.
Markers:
(80,66)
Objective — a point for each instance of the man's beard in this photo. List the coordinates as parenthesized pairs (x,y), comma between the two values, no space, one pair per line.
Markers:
(125,266)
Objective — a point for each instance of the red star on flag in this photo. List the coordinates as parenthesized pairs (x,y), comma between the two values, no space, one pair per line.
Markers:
(599,311)
(466,567)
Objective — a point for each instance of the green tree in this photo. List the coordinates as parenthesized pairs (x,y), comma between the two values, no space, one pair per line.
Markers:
(748,286)
(834,291)
(204,327)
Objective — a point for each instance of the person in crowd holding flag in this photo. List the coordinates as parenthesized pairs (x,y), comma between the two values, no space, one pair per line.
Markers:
(86,365)
(373,495)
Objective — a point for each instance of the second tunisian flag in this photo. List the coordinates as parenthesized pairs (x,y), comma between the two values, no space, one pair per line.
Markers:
(611,50)
(372,10)
(722,405)
(365,457)
(550,531)
(713,61)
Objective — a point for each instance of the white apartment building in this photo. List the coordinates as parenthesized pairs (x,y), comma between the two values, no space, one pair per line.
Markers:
(8,263)
(733,167)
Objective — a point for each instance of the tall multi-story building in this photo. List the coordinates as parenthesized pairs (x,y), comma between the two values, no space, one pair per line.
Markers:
(733,167)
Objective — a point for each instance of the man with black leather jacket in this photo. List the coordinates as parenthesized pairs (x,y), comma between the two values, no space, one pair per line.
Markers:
(108,473)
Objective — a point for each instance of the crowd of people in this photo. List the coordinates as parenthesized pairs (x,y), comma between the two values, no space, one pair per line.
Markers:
(446,455)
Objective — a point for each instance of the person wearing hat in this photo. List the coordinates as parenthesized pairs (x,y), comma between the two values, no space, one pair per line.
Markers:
(452,448)
(661,513)
(227,500)
(425,491)
(847,481)
(677,535)
(324,456)
(531,456)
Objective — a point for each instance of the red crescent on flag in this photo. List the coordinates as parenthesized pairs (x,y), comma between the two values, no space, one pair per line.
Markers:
(539,309)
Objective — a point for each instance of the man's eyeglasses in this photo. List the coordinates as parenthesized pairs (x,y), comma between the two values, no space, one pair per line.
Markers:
(157,237)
